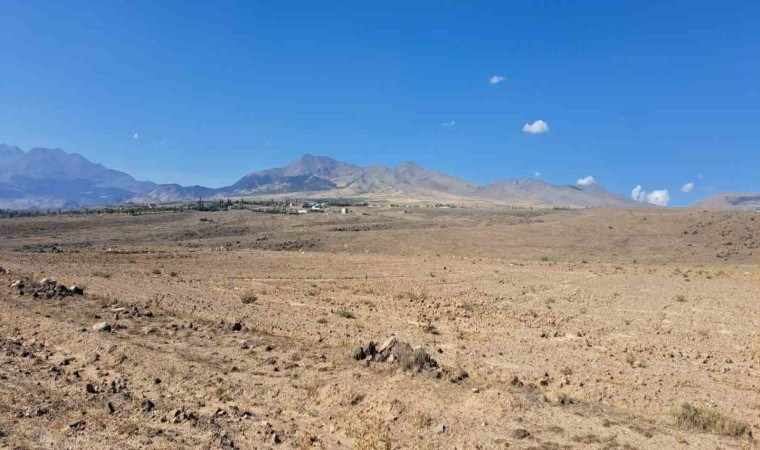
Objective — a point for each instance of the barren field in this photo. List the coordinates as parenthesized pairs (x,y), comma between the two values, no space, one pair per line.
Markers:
(599,329)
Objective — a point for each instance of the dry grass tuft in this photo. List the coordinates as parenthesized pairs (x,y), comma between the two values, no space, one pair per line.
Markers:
(248,297)
(371,433)
(346,314)
(690,416)
(412,296)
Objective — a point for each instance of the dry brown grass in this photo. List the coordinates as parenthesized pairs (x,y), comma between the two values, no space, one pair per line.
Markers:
(248,297)
(370,433)
(690,416)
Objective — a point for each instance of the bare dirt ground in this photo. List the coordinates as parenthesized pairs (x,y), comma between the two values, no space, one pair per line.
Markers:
(550,330)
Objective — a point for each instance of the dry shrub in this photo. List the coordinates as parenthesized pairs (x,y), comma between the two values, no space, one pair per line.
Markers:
(421,419)
(412,296)
(413,359)
(371,433)
(690,416)
(346,314)
(248,297)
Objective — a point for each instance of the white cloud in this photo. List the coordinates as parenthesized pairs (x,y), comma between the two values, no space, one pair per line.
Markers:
(136,136)
(586,181)
(688,187)
(701,176)
(448,124)
(659,197)
(638,194)
(496,79)
(536,127)
(537,174)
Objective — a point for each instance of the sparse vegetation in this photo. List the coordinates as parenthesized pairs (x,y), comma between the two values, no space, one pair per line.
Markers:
(545,258)
(254,327)
(689,416)
(428,327)
(680,298)
(414,359)
(346,314)
(412,296)
(156,272)
(101,274)
(248,297)
(421,419)
(371,433)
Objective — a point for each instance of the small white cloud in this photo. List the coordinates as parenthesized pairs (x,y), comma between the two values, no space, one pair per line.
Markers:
(701,176)
(688,187)
(496,79)
(136,136)
(589,180)
(638,194)
(537,174)
(536,127)
(448,124)
(659,197)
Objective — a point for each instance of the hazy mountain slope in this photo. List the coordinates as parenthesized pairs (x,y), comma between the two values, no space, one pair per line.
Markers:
(8,153)
(746,201)
(537,193)
(168,193)
(307,173)
(52,178)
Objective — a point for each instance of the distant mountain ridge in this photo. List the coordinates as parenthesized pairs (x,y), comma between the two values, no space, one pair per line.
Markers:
(52,178)
(736,201)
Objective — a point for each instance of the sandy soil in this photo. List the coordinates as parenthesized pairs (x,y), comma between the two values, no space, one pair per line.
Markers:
(576,329)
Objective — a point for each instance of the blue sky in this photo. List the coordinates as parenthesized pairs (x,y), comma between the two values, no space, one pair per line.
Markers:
(633,93)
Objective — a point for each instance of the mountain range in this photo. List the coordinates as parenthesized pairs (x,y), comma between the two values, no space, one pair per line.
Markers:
(52,178)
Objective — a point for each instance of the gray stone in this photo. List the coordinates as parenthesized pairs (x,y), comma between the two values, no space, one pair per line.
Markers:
(102,326)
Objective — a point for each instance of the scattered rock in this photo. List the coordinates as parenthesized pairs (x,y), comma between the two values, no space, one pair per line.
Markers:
(244,345)
(147,405)
(111,408)
(458,376)
(237,326)
(359,354)
(520,434)
(77,425)
(91,389)
(395,351)
(557,398)
(439,429)
(47,288)
(76,290)
(102,326)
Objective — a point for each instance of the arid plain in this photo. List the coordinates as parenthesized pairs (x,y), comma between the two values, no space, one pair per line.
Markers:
(539,329)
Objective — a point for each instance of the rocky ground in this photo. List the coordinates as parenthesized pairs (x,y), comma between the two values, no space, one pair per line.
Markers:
(435,329)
